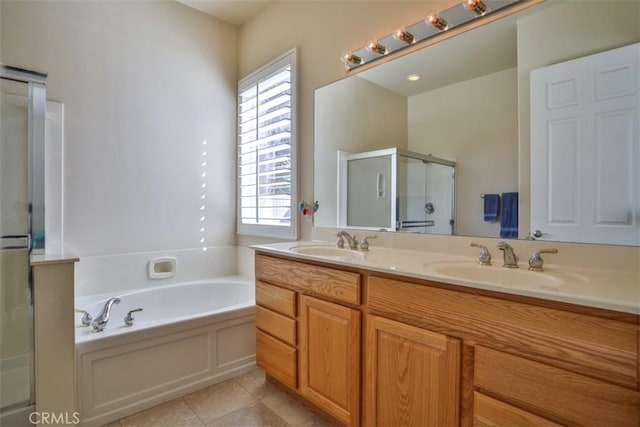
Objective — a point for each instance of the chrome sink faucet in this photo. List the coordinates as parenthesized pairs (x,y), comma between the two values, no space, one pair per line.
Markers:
(484,258)
(364,243)
(536,262)
(100,322)
(510,258)
(351,240)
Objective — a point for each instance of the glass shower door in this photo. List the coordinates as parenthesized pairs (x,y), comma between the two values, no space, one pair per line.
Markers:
(16,320)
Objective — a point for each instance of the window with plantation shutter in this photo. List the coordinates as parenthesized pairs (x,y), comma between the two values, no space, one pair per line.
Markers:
(266,150)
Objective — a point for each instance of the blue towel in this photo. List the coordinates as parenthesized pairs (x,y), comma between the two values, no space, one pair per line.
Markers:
(509,216)
(491,204)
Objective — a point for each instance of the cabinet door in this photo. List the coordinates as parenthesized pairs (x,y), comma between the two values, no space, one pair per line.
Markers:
(329,337)
(412,375)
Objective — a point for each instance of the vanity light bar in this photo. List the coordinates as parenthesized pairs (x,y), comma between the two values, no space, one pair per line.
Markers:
(432,25)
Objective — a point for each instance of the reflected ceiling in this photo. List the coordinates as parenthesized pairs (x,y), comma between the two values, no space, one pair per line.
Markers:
(442,64)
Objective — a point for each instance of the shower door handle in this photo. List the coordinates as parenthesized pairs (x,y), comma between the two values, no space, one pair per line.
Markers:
(381,185)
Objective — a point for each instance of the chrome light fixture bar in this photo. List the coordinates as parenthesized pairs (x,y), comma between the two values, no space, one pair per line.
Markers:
(432,25)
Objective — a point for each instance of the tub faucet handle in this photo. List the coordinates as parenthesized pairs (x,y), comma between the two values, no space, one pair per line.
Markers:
(86,317)
(128,319)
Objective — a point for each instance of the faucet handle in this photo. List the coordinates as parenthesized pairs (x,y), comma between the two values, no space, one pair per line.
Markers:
(340,241)
(484,258)
(128,319)
(536,262)
(86,317)
(364,243)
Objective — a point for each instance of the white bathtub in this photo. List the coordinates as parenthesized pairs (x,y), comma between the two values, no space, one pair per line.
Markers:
(187,337)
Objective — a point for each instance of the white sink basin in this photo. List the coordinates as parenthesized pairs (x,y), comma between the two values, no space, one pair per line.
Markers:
(498,275)
(330,252)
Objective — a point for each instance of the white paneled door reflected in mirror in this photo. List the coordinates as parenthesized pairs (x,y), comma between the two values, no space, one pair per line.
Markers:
(472,106)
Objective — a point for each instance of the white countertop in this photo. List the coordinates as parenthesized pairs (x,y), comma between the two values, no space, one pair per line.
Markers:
(53,258)
(607,289)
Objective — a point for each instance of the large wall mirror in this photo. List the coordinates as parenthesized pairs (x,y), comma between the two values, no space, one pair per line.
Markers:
(472,106)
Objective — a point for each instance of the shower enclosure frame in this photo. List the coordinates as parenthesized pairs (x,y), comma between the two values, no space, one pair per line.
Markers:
(36,110)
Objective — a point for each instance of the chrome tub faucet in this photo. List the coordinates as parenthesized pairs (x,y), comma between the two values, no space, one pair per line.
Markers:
(100,322)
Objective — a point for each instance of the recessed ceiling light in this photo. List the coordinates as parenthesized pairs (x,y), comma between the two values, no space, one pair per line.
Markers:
(414,77)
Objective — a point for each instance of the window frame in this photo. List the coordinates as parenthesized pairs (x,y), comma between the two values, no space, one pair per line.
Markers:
(265,230)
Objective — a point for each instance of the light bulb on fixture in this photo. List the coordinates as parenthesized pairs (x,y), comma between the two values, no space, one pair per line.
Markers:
(404,35)
(350,59)
(418,32)
(376,47)
(476,6)
(437,21)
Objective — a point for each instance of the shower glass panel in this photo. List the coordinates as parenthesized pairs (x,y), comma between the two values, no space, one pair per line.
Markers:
(369,189)
(440,197)
(22,104)
(16,338)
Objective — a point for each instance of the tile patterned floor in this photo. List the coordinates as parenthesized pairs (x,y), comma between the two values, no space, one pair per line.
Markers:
(244,401)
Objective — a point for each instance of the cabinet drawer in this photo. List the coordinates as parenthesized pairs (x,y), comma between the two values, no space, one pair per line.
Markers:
(490,412)
(326,282)
(278,299)
(554,392)
(276,358)
(276,324)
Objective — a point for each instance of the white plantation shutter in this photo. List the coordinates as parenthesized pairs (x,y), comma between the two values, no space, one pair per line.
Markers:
(266,150)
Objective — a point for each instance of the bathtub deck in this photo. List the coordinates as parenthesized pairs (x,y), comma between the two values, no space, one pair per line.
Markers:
(241,401)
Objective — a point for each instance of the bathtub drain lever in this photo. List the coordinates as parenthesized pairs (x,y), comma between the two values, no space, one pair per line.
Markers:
(128,320)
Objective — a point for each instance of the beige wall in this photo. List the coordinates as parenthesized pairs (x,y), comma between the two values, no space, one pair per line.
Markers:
(566,31)
(474,123)
(143,83)
(323,30)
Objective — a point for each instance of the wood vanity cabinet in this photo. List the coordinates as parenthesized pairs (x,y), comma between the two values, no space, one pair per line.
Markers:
(308,332)
(437,354)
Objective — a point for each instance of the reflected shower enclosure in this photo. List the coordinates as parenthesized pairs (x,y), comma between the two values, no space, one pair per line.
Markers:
(396,190)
